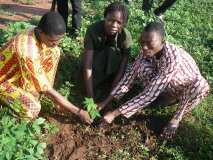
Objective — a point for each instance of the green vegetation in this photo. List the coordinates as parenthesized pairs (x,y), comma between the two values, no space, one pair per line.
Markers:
(188,24)
(91,107)
(11,30)
(22,139)
(27,2)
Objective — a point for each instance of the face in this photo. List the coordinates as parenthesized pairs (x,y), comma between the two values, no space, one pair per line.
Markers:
(50,41)
(113,23)
(151,43)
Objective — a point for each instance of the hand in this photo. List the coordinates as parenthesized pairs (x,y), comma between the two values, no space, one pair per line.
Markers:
(110,116)
(84,116)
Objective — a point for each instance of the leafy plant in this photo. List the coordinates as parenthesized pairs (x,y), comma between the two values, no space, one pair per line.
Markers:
(91,107)
(65,89)
(12,29)
(71,46)
(22,139)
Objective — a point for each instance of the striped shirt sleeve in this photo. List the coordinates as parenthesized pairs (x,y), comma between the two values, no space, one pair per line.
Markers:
(126,82)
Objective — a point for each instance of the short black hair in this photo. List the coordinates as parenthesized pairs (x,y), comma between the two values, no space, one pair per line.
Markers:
(52,23)
(155,26)
(117,6)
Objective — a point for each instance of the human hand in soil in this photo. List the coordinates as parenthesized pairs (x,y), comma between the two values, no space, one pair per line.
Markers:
(170,130)
(84,116)
(110,116)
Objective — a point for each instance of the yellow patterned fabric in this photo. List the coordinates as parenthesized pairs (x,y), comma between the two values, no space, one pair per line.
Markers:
(27,67)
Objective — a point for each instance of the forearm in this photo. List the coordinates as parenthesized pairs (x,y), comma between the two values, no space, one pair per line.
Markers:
(88,72)
(108,99)
(60,100)
(88,83)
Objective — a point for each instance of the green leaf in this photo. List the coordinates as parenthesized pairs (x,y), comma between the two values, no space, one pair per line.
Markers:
(39,121)
(40,148)
(91,107)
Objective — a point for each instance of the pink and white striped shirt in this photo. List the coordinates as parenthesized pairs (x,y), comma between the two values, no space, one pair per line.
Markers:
(174,70)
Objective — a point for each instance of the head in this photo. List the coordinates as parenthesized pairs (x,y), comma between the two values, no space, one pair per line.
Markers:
(51,29)
(116,16)
(152,39)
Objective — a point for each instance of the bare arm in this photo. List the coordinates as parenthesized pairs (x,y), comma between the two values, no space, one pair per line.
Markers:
(87,72)
(61,101)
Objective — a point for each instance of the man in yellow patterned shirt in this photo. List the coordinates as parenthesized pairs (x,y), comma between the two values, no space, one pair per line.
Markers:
(28,63)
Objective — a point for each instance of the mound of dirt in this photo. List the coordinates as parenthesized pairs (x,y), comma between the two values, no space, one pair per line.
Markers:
(76,141)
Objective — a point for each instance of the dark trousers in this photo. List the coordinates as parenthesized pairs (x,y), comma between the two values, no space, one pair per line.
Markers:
(76,12)
(147,5)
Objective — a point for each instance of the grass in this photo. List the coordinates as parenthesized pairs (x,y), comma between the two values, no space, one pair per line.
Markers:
(188,24)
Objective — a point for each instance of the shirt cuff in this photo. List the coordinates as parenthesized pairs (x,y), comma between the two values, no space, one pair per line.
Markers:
(126,110)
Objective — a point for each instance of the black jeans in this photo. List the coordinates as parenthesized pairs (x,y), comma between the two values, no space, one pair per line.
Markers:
(147,5)
(76,12)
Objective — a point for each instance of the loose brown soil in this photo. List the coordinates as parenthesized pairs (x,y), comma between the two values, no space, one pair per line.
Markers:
(76,141)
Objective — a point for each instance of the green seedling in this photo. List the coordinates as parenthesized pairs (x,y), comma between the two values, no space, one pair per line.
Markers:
(91,108)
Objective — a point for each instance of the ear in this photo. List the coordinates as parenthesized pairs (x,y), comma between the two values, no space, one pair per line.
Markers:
(38,34)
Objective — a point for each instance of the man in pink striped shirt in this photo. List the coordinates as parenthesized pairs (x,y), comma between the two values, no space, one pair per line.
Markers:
(163,69)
